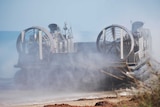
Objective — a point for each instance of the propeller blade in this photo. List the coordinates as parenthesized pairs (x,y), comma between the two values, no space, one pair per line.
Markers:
(113,33)
(121,51)
(40,45)
(104,36)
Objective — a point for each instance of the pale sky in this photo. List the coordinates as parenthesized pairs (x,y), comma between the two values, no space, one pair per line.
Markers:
(87,15)
(84,16)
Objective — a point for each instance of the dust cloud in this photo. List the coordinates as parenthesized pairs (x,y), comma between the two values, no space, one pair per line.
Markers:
(67,72)
(59,76)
